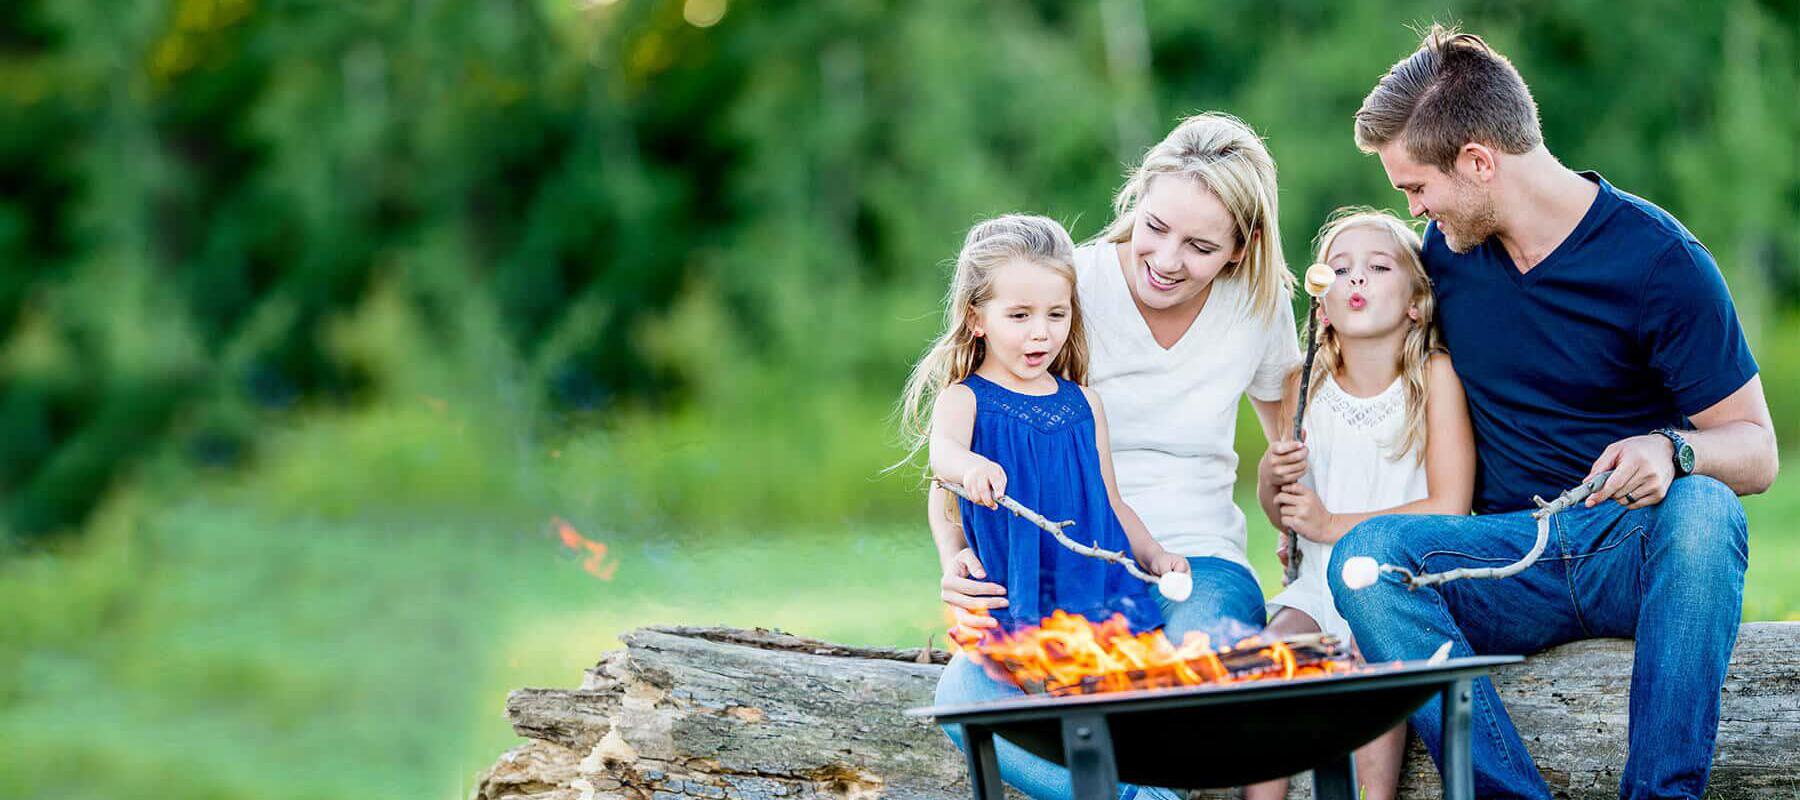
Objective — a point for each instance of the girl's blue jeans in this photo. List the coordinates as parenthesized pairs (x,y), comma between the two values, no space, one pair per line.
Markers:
(1226,604)
(1669,575)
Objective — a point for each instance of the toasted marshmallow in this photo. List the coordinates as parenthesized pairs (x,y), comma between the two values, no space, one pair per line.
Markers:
(1319,278)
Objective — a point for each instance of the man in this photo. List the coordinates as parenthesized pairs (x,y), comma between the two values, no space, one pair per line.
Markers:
(1592,332)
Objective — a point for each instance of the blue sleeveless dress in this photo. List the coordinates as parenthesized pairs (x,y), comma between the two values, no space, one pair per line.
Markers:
(1047,446)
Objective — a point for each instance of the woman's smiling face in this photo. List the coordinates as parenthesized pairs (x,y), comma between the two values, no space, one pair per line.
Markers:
(1182,238)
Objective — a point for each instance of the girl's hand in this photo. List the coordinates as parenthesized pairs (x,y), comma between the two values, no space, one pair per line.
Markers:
(966,593)
(985,482)
(1302,513)
(1162,561)
(1283,463)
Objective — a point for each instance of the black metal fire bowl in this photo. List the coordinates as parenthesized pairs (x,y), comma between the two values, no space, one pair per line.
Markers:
(1214,736)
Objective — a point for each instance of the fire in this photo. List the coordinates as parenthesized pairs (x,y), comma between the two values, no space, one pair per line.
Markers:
(596,551)
(1069,654)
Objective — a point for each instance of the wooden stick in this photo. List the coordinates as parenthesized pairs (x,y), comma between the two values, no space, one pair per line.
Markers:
(1291,572)
(1545,510)
(1056,529)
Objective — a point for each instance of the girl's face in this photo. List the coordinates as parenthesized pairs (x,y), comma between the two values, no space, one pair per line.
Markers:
(1182,238)
(1025,322)
(1373,293)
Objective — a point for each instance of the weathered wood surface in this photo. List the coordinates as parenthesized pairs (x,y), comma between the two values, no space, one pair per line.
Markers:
(716,713)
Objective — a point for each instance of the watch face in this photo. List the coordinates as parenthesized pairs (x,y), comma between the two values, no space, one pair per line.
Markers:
(1685,455)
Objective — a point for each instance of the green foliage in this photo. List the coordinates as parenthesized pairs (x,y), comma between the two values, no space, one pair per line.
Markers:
(314,315)
(669,229)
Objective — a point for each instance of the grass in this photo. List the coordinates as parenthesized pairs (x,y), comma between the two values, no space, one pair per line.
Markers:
(306,630)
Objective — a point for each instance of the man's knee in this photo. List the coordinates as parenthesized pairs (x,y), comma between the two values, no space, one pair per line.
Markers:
(1384,539)
(1700,523)
(1381,538)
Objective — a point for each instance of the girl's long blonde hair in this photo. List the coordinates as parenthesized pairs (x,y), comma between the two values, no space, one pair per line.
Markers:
(1224,156)
(958,352)
(1421,334)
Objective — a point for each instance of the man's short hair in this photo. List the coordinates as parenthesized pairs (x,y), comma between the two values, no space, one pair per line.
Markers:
(1452,91)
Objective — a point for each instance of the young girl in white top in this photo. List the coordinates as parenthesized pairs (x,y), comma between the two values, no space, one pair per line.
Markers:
(1386,432)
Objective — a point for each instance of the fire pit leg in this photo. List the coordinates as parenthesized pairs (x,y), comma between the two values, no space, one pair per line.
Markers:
(984,763)
(1335,779)
(1459,759)
(1088,751)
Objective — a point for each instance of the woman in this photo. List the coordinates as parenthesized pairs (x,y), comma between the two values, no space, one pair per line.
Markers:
(1187,300)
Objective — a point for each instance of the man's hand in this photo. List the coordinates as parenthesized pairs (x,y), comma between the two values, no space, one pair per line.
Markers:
(1303,513)
(1643,467)
(968,596)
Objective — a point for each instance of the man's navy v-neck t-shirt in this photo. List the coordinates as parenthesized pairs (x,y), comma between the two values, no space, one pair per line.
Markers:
(1625,327)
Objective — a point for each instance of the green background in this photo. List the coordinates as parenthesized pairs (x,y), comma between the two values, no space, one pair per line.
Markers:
(313,317)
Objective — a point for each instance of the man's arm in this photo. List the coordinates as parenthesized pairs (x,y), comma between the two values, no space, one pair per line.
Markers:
(1733,441)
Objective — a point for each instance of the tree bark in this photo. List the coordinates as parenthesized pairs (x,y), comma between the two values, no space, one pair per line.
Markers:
(723,713)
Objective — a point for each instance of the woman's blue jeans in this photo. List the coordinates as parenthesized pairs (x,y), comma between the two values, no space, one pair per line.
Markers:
(1669,575)
(1226,604)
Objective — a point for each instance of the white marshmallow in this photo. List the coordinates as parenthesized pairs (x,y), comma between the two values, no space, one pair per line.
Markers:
(1176,585)
(1361,572)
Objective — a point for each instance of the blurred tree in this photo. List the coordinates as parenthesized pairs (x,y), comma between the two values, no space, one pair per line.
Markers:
(738,212)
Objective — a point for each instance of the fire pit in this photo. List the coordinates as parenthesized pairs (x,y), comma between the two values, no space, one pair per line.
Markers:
(1224,734)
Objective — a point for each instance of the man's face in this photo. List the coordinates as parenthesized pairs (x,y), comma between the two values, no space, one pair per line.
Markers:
(1462,207)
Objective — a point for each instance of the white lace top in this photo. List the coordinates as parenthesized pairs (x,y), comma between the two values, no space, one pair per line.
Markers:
(1353,464)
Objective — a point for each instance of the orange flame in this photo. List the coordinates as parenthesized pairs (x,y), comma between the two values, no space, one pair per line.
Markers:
(596,551)
(1069,654)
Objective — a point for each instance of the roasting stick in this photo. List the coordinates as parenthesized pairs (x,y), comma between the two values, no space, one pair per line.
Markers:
(1319,278)
(1361,571)
(1173,585)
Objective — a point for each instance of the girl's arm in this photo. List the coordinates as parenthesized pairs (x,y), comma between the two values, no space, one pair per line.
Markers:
(1449,458)
(1149,553)
(952,428)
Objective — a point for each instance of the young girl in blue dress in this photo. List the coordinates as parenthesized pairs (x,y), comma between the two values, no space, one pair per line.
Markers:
(1009,415)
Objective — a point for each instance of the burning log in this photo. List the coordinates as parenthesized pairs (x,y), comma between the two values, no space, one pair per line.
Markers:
(1068,655)
(720,713)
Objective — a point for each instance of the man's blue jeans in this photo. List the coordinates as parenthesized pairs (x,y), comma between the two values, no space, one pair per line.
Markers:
(1670,575)
(1226,604)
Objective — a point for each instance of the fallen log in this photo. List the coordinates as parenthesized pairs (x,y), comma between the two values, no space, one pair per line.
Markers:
(724,713)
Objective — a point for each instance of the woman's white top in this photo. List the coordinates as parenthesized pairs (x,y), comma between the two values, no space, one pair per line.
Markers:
(1172,413)
(1352,463)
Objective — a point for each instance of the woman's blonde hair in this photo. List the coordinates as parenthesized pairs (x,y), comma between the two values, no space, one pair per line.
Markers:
(1421,334)
(958,352)
(1225,157)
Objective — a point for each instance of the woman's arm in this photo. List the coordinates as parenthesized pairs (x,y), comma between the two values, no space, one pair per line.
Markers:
(946,527)
(1150,553)
(1284,461)
(1449,463)
(962,585)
